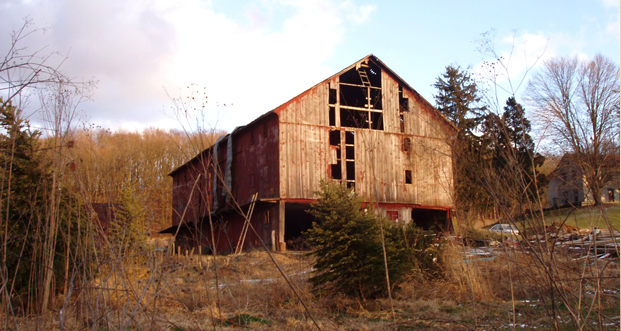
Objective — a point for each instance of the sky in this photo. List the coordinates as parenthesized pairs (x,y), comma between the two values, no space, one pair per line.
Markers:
(241,59)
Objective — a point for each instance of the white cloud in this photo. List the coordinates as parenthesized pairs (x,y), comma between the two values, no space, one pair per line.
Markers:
(610,3)
(135,48)
(357,14)
(258,69)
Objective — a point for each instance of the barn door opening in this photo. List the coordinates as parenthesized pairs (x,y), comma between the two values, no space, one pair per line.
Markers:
(432,219)
(297,221)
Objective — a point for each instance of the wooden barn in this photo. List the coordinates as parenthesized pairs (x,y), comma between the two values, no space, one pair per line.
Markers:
(364,127)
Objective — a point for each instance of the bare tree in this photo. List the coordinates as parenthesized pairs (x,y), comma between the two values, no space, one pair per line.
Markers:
(23,68)
(579,103)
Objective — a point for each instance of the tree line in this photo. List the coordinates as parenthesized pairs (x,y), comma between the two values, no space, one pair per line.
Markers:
(499,172)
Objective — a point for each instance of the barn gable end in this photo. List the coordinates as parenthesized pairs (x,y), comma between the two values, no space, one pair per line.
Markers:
(364,127)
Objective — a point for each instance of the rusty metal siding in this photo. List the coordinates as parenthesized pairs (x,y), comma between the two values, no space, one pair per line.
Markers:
(254,168)
(255,161)
(188,198)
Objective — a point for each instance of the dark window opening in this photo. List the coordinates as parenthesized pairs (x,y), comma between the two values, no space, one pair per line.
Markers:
(351,77)
(338,153)
(332,96)
(332,116)
(335,170)
(407,145)
(354,118)
(430,219)
(401,123)
(349,152)
(376,98)
(349,137)
(335,138)
(354,96)
(373,73)
(351,185)
(404,103)
(351,170)
(576,197)
(377,121)
(408,176)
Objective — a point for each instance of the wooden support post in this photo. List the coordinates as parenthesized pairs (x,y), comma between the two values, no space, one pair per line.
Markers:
(282,246)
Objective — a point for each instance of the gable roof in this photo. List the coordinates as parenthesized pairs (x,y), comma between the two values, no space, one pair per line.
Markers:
(428,106)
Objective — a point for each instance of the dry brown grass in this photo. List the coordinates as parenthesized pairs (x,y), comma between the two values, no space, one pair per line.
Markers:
(179,293)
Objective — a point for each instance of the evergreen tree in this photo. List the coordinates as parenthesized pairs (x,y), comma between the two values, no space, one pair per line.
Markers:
(458,100)
(512,160)
(348,249)
(25,184)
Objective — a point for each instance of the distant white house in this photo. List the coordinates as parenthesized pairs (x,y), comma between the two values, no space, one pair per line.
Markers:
(569,187)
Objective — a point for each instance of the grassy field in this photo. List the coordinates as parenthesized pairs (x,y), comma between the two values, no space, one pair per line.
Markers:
(182,294)
(585,217)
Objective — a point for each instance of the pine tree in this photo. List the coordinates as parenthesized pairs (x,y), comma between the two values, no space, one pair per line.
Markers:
(348,248)
(458,100)
(25,184)
(512,160)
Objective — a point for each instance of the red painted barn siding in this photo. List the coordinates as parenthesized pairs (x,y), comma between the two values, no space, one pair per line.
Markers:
(228,230)
(189,198)
(254,169)
(255,160)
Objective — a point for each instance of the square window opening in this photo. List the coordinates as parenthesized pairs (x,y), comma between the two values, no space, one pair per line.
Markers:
(354,96)
(351,170)
(332,96)
(335,170)
(349,137)
(377,121)
(376,98)
(354,118)
(392,215)
(335,138)
(407,145)
(349,152)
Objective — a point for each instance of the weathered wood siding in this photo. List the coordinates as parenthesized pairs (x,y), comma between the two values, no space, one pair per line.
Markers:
(304,145)
(381,162)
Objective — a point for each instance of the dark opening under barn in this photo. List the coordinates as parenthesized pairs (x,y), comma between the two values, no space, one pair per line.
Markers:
(297,221)
(431,219)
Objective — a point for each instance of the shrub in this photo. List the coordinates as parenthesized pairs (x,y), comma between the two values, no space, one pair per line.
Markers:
(348,246)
